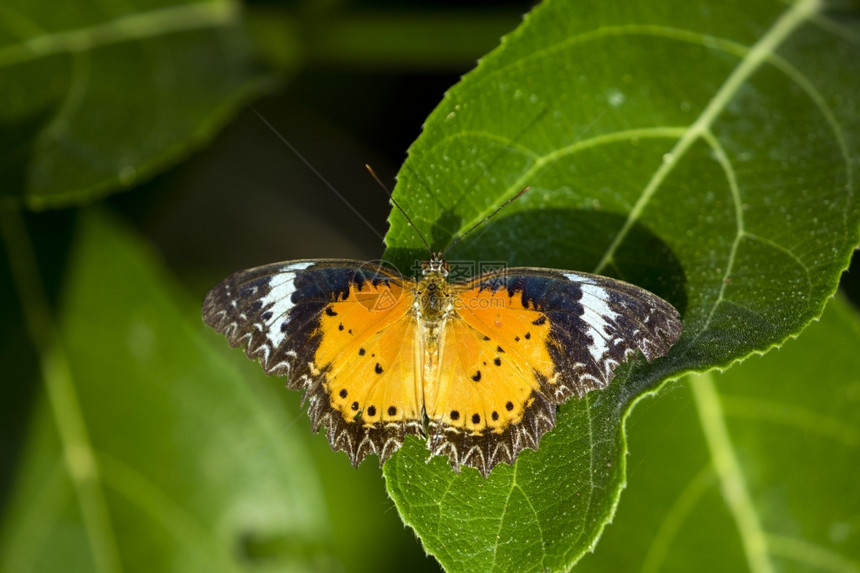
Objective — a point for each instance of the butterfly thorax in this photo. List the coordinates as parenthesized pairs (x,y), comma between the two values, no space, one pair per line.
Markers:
(433,300)
(433,307)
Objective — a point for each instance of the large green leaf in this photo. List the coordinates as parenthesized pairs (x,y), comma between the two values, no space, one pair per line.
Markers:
(704,150)
(753,469)
(98,96)
(143,452)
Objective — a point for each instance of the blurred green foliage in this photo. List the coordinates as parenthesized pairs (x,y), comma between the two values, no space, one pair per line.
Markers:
(750,469)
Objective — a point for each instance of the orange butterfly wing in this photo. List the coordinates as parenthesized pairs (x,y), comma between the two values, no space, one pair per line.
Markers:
(523,341)
(341,331)
(369,394)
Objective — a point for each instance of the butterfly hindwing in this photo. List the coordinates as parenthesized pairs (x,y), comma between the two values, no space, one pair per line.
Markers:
(525,340)
(340,331)
(489,404)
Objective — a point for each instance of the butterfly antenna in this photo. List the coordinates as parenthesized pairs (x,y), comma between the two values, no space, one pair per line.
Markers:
(485,219)
(399,208)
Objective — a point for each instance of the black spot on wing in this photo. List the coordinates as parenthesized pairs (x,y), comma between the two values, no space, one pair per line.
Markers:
(365,433)
(485,449)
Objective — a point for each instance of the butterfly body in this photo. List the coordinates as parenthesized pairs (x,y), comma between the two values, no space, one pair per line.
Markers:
(475,368)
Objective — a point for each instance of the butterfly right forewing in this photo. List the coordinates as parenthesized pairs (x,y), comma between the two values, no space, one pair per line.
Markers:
(523,341)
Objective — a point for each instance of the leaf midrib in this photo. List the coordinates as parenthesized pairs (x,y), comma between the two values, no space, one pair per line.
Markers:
(750,60)
(760,52)
(728,470)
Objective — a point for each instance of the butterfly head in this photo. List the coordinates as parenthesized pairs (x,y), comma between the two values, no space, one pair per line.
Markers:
(435,266)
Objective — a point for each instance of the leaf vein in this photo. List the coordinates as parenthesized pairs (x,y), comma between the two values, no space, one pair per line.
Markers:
(543,162)
(757,54)
(801,418)
(813,555)
(671,523)
(732,483)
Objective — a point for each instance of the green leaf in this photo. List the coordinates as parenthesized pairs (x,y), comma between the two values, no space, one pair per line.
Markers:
(96,99)
(753,469)
(144,453)
(704,150)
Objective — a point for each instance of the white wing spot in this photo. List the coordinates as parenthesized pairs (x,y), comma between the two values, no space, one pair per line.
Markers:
(597,314)
(282,287)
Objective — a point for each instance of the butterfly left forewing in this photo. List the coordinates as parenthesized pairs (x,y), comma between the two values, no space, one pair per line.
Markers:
(340,331)
(368,397)
(537,337)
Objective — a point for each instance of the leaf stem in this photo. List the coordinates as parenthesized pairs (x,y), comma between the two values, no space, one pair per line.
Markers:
(78,454)
(728,469)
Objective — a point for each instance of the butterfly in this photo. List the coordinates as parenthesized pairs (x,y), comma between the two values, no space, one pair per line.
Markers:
(475,368)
